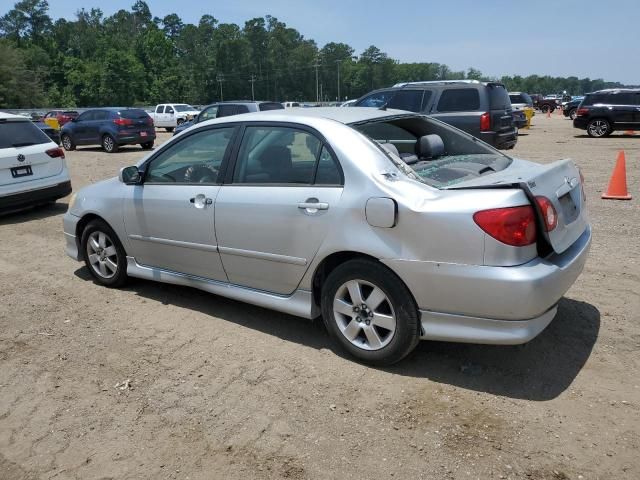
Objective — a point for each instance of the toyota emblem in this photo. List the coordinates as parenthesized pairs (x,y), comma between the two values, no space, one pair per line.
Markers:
(21,158)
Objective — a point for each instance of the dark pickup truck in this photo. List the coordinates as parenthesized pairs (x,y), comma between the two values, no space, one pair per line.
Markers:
(544,104)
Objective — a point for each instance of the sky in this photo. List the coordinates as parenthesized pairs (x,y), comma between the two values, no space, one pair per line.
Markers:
(583,38)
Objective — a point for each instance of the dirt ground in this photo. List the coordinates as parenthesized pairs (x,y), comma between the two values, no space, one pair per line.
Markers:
(219,389)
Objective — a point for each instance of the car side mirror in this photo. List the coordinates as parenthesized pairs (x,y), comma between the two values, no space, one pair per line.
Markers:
(130,175)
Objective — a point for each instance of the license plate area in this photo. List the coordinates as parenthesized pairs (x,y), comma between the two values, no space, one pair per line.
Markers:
(569,208)
(18,172)
(143,134)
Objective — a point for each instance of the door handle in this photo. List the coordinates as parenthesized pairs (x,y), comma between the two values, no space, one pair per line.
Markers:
(312,205)
(200,201)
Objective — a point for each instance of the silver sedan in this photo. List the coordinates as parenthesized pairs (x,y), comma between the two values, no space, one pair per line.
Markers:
(392,226)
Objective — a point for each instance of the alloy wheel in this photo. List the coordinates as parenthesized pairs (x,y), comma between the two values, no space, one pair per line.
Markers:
(598,128)
(364,314)
(108,143)
(102,254)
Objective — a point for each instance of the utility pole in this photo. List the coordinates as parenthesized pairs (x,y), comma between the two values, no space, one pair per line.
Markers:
(316,66)
(220,79)
(252,80)
(338,64)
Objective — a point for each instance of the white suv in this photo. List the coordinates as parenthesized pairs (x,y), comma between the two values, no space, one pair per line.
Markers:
(32,167)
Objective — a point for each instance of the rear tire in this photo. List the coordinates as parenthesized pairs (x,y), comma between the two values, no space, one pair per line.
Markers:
(109,144)
(67,143)
(147,145)
(370,312)
(103,254)
(545,108)
(598,128)
(180,121)
(573,113)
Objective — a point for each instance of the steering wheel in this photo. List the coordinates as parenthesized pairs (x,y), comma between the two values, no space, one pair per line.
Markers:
(200,174)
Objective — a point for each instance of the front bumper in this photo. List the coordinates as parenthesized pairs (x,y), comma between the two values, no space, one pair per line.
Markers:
(481,303)
(69,226)
(17,201)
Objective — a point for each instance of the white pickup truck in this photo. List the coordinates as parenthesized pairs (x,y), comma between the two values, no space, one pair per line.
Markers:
(170,115)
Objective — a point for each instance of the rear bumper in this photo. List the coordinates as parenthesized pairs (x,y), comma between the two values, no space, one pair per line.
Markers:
(38,196)
(135,137)
(580,122)
(501,140)
(464,329)
(473,298)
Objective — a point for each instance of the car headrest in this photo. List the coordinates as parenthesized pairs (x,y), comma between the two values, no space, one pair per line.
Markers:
(391,148)
(430,146)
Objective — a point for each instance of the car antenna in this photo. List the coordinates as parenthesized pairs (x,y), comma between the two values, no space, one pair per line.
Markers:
(383,107)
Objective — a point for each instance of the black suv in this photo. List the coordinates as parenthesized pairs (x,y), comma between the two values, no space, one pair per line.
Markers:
(605,111)
(480,109)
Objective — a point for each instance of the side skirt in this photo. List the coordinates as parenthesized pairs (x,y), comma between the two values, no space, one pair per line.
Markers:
(300,303)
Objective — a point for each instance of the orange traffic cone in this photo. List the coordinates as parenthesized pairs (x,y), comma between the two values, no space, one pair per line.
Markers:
(618,184)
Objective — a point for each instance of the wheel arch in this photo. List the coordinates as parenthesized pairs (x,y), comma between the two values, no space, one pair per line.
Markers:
(82,224)
(332,261)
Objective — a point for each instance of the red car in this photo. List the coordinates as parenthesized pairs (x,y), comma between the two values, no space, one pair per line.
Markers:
(62,117)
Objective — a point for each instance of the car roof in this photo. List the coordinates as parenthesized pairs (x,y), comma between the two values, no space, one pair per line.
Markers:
(11,116)
(618,90)
(345,115)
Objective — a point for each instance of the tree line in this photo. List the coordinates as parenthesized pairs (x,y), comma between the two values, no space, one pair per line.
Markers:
(134,58)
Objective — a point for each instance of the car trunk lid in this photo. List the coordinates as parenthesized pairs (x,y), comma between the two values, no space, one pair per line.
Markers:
(560,182)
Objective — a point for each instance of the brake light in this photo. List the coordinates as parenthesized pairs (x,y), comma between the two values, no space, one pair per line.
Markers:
(55,152)
(123,121)
(515,226)
(548,213)
(582,111)
(485,122)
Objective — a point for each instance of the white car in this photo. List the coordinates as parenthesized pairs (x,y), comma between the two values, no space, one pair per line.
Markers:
(170,115)
(33,170)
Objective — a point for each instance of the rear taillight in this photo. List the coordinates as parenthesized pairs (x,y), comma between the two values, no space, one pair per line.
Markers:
(123,121)
(485,122)
(55,152)
(515,226)
(549,214)
(582,111)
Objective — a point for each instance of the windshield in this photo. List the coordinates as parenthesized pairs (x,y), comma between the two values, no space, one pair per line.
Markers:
(431,151)
(183,108)
(20,134)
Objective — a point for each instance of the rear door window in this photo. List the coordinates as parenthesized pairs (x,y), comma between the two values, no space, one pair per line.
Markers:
(226,110)
(622,99)
(376,99)
(101,115)
(241,109)
(20,134)
(410,100)
(86,116)
(459,100)
(273,106)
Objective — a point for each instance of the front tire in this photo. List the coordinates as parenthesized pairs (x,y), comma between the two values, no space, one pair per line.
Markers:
(147,145)
(67,143)
(573,113)
(370,312)
(545,108)
(180,121)
(598,128)
(109,144)
(104,255)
